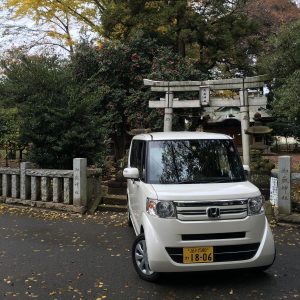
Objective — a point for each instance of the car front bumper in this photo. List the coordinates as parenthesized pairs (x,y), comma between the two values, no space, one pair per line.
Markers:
(165,234)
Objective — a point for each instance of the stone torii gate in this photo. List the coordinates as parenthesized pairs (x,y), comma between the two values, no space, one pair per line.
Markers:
(205,101)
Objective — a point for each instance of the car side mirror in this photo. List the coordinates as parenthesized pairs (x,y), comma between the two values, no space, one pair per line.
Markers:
(131,173)
(246,170)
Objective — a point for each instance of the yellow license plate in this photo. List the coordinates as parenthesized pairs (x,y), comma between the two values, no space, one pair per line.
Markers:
(198,255)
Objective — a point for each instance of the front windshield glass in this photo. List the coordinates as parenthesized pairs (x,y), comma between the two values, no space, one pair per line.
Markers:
(193,161)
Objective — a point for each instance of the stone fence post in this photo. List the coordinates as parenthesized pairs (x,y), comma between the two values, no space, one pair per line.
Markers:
(24,181)
(284,184)
(80,182)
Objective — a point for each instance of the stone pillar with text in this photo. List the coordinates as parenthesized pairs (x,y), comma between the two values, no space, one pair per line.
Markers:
(80,182)
(284,184)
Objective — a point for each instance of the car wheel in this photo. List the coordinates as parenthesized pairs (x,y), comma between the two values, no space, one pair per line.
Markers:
(140,259)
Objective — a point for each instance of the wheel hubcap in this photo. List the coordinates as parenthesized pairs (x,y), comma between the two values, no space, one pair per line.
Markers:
(141,258)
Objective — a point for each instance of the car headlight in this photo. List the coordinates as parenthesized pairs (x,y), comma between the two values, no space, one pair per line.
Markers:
(161,209)
(255,205)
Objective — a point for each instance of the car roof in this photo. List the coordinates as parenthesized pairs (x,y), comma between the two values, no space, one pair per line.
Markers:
(181,135)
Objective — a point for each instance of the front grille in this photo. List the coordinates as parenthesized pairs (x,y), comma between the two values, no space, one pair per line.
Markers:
(221,253)
(213,236)
(198,210)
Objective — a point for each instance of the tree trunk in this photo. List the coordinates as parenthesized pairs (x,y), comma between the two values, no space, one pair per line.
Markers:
(180,25)
(119,144)
(21,155)
(181,46)
(6,158)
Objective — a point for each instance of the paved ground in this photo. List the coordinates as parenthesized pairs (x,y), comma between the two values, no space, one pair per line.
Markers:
(50,255)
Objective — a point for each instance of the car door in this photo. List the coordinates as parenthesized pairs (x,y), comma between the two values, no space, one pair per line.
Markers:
(135,187)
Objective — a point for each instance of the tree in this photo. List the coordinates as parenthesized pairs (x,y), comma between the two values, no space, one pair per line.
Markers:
(57,120)
(86,12)
(214,32)
(58,22)
(114,74)
(217,33)
(271,15)
(10,132)
(49,29)
(282,62)
(68,107)
(285,128)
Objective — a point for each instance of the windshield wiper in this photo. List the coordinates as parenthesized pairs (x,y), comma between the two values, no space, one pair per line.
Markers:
(194,181)
(227,179)
(210,180)
(221,180)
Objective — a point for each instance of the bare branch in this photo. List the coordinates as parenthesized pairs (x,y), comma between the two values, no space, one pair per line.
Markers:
(99,5)
(79,15)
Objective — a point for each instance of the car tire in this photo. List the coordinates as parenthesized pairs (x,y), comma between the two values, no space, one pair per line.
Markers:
(140,260)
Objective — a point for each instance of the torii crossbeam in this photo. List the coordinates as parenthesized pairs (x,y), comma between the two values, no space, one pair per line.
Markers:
(204,87)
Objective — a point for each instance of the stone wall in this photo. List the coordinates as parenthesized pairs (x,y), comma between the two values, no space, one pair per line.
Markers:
(68,190)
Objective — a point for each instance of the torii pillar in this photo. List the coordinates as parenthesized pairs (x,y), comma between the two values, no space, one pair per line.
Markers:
(168,118)
(244,111)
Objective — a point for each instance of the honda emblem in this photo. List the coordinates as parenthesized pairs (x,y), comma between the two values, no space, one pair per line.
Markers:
(213,212)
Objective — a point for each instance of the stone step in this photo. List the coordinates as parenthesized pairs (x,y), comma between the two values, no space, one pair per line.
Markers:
(114,199)
(112,207)
(117,190)
(117,183)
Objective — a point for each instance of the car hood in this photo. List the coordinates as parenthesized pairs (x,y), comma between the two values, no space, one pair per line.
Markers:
(206,191)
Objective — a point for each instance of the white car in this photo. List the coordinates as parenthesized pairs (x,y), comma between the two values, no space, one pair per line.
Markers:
(192,207)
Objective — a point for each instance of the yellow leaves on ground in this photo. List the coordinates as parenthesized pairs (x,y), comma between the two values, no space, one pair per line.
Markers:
(285,238)
(2,208)
(100,285)
(8,280)
(106,218)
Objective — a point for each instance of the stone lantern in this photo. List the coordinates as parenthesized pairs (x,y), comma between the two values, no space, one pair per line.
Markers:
(258,133)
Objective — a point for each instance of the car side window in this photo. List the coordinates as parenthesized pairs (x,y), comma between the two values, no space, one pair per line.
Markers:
(137,157)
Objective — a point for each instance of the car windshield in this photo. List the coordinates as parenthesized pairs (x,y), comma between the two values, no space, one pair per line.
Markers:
(193,161)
